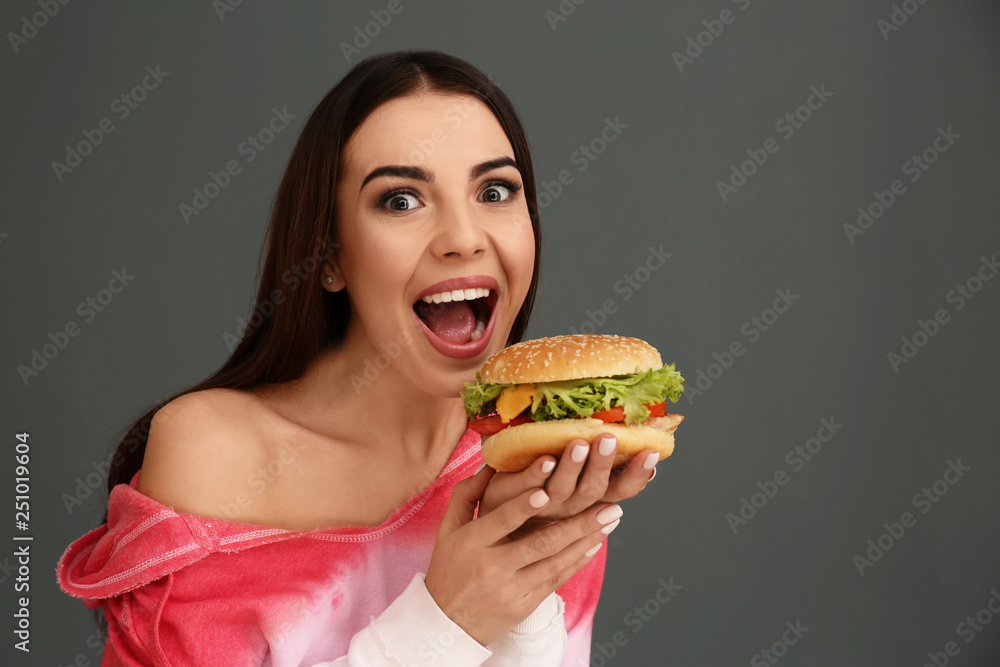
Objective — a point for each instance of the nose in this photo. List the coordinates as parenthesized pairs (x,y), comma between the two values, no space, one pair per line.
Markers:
(459,232)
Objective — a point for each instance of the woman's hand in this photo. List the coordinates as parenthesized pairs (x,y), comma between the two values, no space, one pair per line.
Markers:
(570,491)
(487,582)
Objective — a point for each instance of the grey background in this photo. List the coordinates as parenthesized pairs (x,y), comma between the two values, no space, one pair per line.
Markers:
(656,184)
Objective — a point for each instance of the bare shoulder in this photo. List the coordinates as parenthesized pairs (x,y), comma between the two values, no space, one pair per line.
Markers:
(201,446)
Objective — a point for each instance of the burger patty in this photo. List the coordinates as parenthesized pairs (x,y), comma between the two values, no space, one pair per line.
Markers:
(667,423)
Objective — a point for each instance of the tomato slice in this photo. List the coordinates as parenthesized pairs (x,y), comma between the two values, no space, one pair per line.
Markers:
(617,414)
(493,424)
(657,410)
(610,415)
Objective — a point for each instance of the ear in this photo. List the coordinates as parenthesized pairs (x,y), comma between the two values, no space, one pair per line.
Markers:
(332,270)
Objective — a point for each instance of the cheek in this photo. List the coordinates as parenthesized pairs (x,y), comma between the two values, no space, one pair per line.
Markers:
(520,258)
(375,263)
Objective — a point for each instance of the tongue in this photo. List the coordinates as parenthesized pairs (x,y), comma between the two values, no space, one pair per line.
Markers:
(453,322)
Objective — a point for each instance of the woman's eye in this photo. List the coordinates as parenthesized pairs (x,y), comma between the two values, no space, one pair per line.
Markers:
(498,192)
(401,202)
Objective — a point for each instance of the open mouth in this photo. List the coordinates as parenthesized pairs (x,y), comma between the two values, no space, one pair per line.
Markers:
(458,316)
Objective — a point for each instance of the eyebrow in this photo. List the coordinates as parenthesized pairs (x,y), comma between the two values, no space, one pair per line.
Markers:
(421,174)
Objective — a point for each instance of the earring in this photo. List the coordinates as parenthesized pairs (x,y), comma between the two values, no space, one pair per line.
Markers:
(329,280)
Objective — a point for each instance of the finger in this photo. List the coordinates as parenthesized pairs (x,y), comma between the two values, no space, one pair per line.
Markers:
(567,545)
(535,475)
(566,564)
(598,471)
(542,468)
(553,538)
(562,483)
(465,495)
(633,478)
(651,476)
(509,516)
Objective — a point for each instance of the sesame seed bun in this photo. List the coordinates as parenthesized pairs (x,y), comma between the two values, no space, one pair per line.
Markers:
(516,447)
(570,358)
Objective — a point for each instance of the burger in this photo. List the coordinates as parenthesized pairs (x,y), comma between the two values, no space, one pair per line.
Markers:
(533,397)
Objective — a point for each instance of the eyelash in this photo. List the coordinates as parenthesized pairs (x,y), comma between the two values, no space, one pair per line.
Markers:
(512,187)
(503,182)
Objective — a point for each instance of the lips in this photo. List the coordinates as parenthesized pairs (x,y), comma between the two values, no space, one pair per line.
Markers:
(457,315)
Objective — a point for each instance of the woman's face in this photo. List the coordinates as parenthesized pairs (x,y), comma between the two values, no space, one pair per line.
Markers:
(436,246)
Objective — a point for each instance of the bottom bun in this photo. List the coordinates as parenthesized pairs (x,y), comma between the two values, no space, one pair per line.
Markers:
(516,447)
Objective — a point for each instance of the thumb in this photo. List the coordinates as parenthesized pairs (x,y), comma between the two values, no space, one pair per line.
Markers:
(465,495)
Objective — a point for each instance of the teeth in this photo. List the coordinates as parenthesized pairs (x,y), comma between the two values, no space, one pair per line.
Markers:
(480,329)
(457,295)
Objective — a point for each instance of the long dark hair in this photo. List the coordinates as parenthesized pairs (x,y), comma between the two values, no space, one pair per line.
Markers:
(294,319)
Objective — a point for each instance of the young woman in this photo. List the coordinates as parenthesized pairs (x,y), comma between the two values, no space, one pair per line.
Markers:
(319,500)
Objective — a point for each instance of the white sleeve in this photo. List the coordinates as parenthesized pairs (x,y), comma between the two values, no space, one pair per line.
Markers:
(414,631)
(539,640)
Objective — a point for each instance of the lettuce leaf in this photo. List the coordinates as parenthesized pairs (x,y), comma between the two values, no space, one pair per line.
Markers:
(479,397)
(582,398)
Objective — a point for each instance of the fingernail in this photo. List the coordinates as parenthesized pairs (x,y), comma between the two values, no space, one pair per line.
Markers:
(607,445)
(609,514)
(651,477)
(580,452)
(650,461)
(593,550)
(481,466)
(548,466)
(538,498)
(611,526)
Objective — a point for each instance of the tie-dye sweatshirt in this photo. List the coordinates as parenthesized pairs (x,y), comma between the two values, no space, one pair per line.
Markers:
(180,589)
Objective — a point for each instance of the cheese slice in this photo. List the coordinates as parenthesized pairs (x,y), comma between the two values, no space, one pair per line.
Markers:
(513,400)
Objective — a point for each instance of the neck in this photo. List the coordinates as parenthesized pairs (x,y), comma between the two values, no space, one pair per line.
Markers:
(345,397)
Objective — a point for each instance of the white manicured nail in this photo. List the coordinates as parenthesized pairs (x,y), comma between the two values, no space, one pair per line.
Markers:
(609,514)
(593,550)
(611,526)
(538,498)
(580,452)
(650,461)
(548,466)
(607,445)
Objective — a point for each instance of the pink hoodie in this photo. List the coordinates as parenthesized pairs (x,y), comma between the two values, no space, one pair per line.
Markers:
(180,589)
